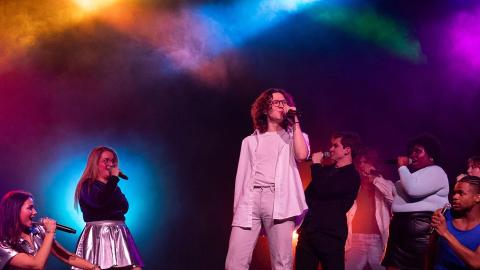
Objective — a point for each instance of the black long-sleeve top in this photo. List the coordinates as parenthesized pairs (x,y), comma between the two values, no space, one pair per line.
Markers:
(101,201)
(329,196)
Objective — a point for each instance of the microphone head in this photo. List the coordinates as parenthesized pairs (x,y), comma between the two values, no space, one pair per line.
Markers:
(445,208)
(443,211)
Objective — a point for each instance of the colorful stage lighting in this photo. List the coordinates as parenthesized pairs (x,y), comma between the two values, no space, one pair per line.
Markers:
(93,5)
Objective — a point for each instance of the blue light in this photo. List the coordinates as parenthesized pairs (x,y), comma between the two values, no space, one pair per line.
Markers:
(59,188)
(244,19)
(145,189)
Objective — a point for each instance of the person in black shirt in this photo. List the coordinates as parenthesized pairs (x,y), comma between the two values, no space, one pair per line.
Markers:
(329,196)
(105,240)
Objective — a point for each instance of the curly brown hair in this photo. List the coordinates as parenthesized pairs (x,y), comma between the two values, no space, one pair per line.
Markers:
(262,104)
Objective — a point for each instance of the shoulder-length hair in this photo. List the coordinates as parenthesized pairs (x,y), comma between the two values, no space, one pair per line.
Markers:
(263,104)
(91,170)
(10,224)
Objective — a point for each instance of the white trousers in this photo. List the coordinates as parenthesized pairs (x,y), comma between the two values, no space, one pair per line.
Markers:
(366,248)
(279,235)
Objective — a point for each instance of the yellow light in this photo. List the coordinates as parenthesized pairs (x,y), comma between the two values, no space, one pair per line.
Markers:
(294,241)
(295,236)
(93,5)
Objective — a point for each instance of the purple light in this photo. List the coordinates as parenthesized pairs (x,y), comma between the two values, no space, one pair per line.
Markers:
(465,41)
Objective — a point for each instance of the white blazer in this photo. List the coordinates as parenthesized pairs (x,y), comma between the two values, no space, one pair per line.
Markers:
(289,194)
(383,213)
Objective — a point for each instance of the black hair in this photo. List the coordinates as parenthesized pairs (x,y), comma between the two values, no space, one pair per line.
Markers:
(349,139)
(429,143)
(474,181)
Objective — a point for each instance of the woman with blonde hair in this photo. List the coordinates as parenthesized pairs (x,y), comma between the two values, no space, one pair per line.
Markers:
(106,239)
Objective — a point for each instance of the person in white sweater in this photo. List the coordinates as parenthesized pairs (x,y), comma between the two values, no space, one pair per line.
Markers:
(423,188)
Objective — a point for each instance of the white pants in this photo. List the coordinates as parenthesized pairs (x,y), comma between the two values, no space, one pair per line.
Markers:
(279,235)
(366,248)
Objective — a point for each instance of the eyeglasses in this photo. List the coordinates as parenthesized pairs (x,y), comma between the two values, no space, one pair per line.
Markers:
(277,103)
(107,161)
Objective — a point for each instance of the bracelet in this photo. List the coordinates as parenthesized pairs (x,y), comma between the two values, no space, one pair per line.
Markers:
(297,122)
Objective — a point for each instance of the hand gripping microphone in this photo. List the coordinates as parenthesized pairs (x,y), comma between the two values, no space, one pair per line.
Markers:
(325,155)
(292,113)
(60,227)
(444,209)
(120,175)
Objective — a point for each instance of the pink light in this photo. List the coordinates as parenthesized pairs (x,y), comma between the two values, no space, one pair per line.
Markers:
(465,40)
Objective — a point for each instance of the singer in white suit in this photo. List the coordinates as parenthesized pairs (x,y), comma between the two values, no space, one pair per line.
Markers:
(268,188)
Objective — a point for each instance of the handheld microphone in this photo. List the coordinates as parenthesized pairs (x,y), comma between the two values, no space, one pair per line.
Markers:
(123,176)
(120,175)
(292,113)
(325,155)
(60,227)
(444,209)
(393,161)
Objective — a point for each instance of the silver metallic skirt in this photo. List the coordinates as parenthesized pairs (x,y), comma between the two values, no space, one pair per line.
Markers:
(108,243)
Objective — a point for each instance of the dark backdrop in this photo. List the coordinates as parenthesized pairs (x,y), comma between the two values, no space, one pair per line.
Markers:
(388,70)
